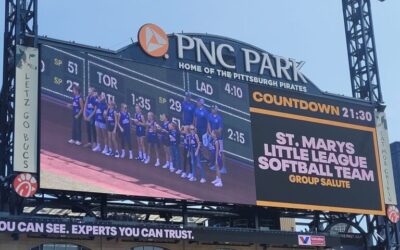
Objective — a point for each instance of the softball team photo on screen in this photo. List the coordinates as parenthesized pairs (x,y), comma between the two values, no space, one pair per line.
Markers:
(187,150)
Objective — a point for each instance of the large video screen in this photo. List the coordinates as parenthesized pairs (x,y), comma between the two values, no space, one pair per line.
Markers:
(117,126)
(111,163)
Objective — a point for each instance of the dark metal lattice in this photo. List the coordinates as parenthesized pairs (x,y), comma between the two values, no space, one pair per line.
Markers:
(364,74)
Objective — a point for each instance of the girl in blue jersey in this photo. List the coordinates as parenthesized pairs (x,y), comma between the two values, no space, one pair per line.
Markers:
(164,137)
(89,115)
(77,110)
(215,122)
(194,151)
(186,153)
(174,138)
(124,125)
(152,138)
(216,154)
(112,118)
(140,132)
(100,123)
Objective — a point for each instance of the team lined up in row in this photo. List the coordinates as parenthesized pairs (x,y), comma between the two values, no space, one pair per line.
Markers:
(201,134)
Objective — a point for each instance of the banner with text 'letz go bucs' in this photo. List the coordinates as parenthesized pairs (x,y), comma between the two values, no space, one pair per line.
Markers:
(314,152)
(26,109)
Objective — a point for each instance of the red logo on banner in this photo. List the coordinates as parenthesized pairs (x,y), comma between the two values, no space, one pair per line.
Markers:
(393,214)
(25,185)
(311,240)
(153,40)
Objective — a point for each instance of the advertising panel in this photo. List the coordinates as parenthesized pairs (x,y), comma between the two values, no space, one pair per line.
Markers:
(26,106)
(385,157)
(314,153)
(36,227)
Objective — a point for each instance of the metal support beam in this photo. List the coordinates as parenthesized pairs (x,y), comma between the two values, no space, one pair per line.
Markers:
(365,84)
(364,74)
(391,233)
(20,29)
(184,213)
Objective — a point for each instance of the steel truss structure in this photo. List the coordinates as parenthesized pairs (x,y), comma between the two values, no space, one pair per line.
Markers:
(364,73)
(21,29)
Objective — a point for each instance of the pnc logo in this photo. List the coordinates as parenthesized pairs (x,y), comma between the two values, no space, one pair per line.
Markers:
(153,40)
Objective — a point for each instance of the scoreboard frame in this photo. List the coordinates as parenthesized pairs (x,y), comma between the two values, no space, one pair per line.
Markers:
(134,49)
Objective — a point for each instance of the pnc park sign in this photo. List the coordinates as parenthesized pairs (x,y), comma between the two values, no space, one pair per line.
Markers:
(282,67)
(223,59)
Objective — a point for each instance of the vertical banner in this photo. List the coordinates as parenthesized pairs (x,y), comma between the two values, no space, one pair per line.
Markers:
(385,158)
(26,110)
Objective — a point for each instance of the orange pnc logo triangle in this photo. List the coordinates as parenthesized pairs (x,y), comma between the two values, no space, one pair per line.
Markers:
(153,40)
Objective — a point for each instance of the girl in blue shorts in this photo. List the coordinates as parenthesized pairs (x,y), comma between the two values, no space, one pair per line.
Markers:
(112,118)
(89,116)
(187,173)
(124,125)
(100,123)
(140,132)
(152,138)
(194,152)
(164,137)
(77,110)
(216,154)
(174,139)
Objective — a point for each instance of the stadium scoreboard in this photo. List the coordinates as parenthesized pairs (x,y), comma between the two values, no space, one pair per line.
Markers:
(287,144)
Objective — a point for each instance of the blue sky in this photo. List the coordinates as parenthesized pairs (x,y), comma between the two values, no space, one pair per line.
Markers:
(308,30)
